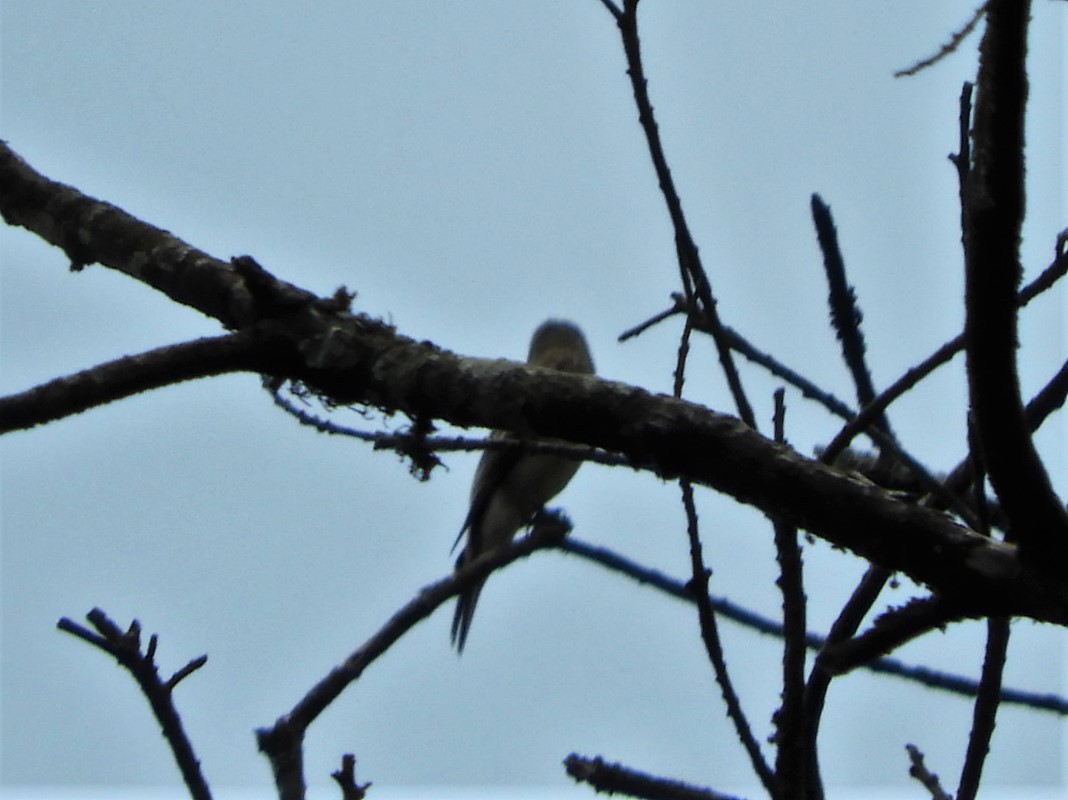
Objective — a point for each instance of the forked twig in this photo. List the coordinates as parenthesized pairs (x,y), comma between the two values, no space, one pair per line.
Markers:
(125,647)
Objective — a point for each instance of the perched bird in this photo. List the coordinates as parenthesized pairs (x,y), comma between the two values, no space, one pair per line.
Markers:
(510,486)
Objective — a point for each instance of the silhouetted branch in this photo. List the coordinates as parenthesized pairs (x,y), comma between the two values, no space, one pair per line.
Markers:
(693,272)
(808,388)
(993,216)
(949,47)
(355,359)
(919,771)
(789,719)
(283,742)
(130,375)
(986,707)
(819,680)
(955,684)
(714,648)
(346,779)
(680,307)
(845,315)
(616,779)
(861,422)
(889,631)
(125,647)
(613,9)
(92,231)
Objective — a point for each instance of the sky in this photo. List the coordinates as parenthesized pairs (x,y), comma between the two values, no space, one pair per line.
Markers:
(470,169)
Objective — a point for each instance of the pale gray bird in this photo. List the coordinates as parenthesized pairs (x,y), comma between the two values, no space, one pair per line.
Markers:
(510,487)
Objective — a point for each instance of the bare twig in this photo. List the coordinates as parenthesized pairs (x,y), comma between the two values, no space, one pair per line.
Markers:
(860,422)
(808,388)
(986,707)
(789,720)
(346,779)
(692,270)
(680,361)
(617,779)
(403,441)
(889,631)
(613,9)
(819,680)
(282,743)
(949,47)
(919,771)
(845,314)
(680,307)
(125,647)
(710,636)
(954,684)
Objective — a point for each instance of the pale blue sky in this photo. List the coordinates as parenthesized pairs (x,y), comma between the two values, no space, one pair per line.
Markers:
(469,169)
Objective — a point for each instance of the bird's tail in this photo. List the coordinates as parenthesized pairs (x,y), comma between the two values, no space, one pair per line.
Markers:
(465,612)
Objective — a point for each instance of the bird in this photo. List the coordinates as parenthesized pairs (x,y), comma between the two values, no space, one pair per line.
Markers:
(510,487)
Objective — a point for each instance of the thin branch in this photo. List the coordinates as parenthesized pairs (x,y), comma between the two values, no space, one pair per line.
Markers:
(680,360)
(954,684)
(617,779)
(678,308)
(125,647)
(689,258)
(819,680)
(1050,398)
(789,720)
(710,636)
(861,422)
(951,46)
(889,631)
(962,159)
(918,770)
(613,9)
(845,314)
(130,375)
(809,389)
(1049,276)
(345,777)
(406,441)
(986,707)
(744,347)
(283,742)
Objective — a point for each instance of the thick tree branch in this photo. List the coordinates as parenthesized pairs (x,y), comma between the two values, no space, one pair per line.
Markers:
(993,215)
(357,360)
(91,231)
(128,376)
